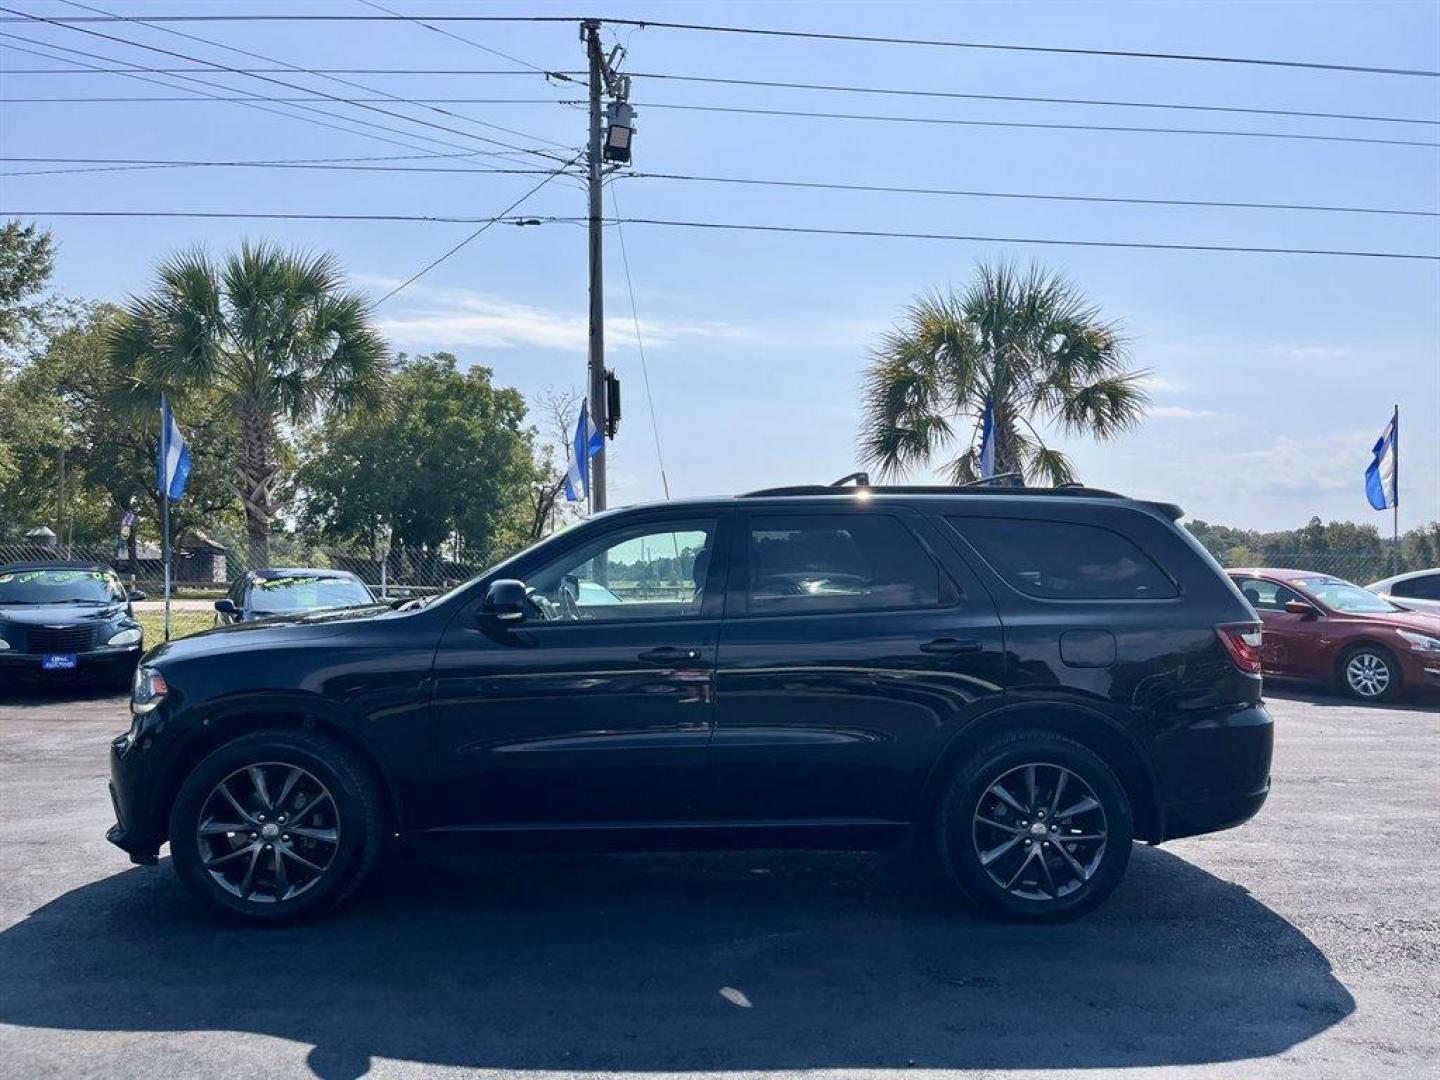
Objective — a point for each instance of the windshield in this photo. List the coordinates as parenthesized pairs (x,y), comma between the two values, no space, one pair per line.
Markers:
(67,586)
(275,596)
(1344,597)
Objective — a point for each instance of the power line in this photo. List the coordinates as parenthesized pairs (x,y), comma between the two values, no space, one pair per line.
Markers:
(278,82)
(283,70)
(955,94)
(436,262)
(93,165)
(730,225)
(300,70)
(256,101)
(815,231)
(804,114)
(1130,54)
(778,84)
(562,76)
(748,111)
(1124,200)
(811,35)
(639,342)
(122,99)
(358,165)
(434,219)
(950,121)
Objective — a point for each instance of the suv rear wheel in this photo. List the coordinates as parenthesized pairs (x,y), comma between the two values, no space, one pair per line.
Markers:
(276,826)
(1035,827)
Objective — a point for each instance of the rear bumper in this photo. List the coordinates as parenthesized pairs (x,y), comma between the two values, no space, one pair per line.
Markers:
(1214,772)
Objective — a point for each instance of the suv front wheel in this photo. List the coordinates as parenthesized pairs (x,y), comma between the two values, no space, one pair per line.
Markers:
(1036,827)
(276,826)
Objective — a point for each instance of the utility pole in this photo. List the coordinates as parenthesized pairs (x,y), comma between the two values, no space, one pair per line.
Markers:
(596,382)
(611,132)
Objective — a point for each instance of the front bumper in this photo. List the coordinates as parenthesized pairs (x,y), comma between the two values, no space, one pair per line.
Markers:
(97,663)
(134,772)
(1213,772)
(1420,671)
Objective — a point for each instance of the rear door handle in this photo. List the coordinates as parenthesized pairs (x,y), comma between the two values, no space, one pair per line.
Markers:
(950,646)
(668,654)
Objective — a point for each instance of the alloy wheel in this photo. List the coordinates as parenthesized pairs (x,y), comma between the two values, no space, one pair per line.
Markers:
(268,832)
(1039,831)
(1367,674)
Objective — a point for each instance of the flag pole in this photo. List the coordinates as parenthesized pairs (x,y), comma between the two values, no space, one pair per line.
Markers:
(1395,508)
(165,528)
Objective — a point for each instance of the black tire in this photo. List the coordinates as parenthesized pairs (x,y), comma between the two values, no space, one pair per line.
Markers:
(357,824)
(1363,668)
(1042,890)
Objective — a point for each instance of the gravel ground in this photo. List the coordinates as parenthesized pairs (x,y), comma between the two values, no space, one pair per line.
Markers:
(1305,944)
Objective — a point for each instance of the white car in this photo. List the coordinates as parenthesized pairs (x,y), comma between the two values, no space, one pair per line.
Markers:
(1419,590)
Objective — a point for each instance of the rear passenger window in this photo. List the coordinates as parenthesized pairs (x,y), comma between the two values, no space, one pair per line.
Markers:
(1062,560)
(1420,588)
(818,564)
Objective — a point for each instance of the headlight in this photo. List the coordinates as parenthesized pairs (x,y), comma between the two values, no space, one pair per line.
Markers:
(150,690)
(126,637)
(4,644)
(1420,642)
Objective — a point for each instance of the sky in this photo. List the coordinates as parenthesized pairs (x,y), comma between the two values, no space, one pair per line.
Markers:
(1272,375)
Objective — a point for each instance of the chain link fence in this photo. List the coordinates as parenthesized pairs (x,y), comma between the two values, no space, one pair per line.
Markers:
(1361,567)
(204,569)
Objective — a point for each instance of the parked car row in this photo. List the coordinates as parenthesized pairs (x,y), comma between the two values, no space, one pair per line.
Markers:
(73,623)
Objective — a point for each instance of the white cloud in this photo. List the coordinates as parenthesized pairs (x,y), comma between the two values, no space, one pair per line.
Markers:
(1287,468)
(1180,412)
(456,318)
(1305,352)
(1161,384)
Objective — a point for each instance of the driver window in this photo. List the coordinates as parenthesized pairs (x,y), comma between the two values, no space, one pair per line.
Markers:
(648,572)
(1267,595)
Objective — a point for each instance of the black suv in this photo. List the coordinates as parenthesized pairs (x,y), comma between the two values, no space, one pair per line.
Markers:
(1026,681)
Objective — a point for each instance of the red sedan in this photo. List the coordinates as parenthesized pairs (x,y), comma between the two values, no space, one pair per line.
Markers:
(1322,628)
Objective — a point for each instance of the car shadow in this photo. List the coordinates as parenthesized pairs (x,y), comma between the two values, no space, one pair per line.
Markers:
(57,692)
(1308,693)
(676,962)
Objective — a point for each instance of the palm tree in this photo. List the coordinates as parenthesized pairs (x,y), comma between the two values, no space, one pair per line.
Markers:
(275,332)
(1027,342)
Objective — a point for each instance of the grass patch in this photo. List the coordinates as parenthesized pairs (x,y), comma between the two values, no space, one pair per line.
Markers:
(182,624)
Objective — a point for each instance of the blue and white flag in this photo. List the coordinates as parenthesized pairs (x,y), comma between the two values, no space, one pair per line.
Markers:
(987,441)
(586,444)
(1382,478)
(174,464)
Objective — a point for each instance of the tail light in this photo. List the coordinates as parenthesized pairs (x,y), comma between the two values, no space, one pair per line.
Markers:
(1242,642)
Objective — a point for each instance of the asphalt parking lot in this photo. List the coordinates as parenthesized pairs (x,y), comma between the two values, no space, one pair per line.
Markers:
(1305,944)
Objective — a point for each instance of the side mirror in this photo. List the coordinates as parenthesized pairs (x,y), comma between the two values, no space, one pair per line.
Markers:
(135,594)
(225,607)
(1304,610)
(505,600)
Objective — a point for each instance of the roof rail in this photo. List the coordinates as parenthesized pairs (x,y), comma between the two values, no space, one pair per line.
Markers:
(796,490)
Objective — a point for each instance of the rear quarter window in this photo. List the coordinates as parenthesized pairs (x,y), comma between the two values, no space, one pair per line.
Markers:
(1064,560)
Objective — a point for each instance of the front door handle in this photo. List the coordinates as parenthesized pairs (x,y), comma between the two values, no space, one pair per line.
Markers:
(668,654)
(950,646)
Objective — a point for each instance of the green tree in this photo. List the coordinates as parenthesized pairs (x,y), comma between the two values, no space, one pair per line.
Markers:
(275,334)
(27,259)
(1030,343)
(448,462)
